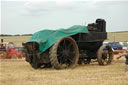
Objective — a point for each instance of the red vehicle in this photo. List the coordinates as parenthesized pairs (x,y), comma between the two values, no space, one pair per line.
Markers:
(8,51)
(20,53)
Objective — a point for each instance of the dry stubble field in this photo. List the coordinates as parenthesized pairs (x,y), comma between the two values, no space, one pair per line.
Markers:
(19,72)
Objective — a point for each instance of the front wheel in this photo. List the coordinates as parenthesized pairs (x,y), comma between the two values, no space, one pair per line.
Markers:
(34,62)
(105,55)
(64,53)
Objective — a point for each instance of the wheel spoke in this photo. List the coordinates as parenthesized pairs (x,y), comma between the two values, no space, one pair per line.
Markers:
(64,44)
(72,53)
(70,60)
(69,45)
(60,59)
(61,48)
(60,52)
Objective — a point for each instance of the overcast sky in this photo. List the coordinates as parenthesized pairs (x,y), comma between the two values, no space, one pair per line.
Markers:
(29,16)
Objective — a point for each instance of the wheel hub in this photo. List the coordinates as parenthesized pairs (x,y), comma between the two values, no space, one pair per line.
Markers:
(65,52)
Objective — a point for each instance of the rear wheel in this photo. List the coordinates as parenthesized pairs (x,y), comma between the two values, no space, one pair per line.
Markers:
(64,53)
(3,55)
(105,55)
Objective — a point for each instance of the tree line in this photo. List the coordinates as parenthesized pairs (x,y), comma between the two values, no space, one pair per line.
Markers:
(16,35)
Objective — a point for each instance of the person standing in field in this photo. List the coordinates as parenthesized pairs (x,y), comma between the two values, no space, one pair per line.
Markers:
(126,62)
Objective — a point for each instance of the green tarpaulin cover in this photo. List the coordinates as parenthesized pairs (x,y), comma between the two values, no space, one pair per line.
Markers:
(46,38)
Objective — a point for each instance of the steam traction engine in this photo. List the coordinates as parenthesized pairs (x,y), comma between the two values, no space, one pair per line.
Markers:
(79,48)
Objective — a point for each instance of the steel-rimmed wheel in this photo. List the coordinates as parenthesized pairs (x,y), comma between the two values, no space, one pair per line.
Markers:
(64,53)
(34,62)
(32,54)
(105,55)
